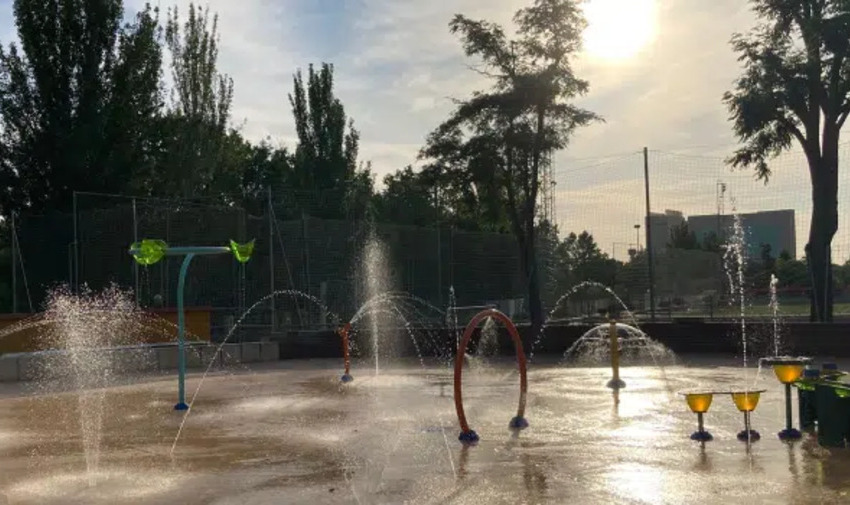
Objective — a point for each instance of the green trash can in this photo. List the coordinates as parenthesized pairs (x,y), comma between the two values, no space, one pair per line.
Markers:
(833,414)
(807,399)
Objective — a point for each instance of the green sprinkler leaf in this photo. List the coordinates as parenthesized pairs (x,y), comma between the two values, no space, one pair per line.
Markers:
(242,252)
(148,251)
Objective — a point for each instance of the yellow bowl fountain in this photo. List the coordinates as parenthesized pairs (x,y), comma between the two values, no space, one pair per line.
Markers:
(787,369)
(699,402)
(746,402)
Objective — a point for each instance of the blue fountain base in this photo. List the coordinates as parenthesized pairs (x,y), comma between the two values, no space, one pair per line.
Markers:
(616,384)
(468,437)
(181,406)
(518,423)
(701,436)
(752,436)
(346,378)
(790,434)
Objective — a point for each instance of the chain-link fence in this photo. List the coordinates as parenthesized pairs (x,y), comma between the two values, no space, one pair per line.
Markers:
(692,199)
(318,257)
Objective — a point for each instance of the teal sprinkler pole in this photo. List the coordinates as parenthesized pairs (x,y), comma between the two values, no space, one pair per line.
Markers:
(148,252)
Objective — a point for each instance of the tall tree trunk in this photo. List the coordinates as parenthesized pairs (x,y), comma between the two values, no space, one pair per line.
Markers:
(824,173)
(535,303)
(528,258)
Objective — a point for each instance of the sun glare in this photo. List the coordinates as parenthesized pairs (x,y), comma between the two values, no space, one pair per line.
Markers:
(618,29)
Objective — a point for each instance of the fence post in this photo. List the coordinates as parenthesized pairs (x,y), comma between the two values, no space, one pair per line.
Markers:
(14,266)
(76,248)
(136,240)
(439,265)
(270,214)
(305,238)
(649,254)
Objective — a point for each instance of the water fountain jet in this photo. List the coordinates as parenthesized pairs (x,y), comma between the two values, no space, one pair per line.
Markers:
(699,402)
(746,402)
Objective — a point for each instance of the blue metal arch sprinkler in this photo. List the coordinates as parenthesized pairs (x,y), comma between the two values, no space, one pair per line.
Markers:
(147,252)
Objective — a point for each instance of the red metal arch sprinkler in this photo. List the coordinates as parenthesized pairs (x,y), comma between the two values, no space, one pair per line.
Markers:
(346,359)
(467,435)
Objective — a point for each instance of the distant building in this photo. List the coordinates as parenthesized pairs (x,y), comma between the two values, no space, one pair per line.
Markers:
(660,227)
(774,227)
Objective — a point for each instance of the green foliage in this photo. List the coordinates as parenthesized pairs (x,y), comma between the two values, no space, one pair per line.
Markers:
(65,101)
(795,87)
(502,136)
(712,243)
(582,260)
(326,156)
(792,272)
(408,198)
(194,132)
(260,167)
(682,238)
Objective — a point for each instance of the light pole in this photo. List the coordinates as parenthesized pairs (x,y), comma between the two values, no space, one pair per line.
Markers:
(637,237)
(147,252)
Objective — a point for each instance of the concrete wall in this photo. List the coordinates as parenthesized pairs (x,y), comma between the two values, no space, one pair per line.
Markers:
(157,326)
(682,337)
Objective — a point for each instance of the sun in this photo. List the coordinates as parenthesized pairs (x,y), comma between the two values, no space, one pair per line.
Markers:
(618,30)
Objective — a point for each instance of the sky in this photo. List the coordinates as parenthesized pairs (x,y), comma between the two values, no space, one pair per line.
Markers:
(397,68)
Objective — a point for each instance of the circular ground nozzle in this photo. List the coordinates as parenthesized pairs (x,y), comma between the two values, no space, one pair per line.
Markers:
(616,384)
(790,434)
(181,406)
(468,437)
(702,436)
(751,435)
(346,378)
(518,423)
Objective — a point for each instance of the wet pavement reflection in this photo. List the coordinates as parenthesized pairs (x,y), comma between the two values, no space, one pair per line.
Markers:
(293,434)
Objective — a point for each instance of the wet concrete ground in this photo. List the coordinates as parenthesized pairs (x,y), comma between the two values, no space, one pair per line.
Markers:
(292,434)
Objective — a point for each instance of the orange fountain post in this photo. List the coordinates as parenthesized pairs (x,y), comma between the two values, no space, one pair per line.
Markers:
(343,333)
(616,382)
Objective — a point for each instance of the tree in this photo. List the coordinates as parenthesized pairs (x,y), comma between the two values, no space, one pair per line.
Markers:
(766,256)
(359,195)
(136,105)
(76,101)
(791,272)
(712,243)
(796,87)
(509,131)
(682,238)
(195,130)
(408,198)
(585,261)
(264,168)
(326,155)
(579,259)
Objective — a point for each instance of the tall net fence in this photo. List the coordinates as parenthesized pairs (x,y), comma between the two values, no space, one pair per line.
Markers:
(697,196)
(692,200)
(320,258)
